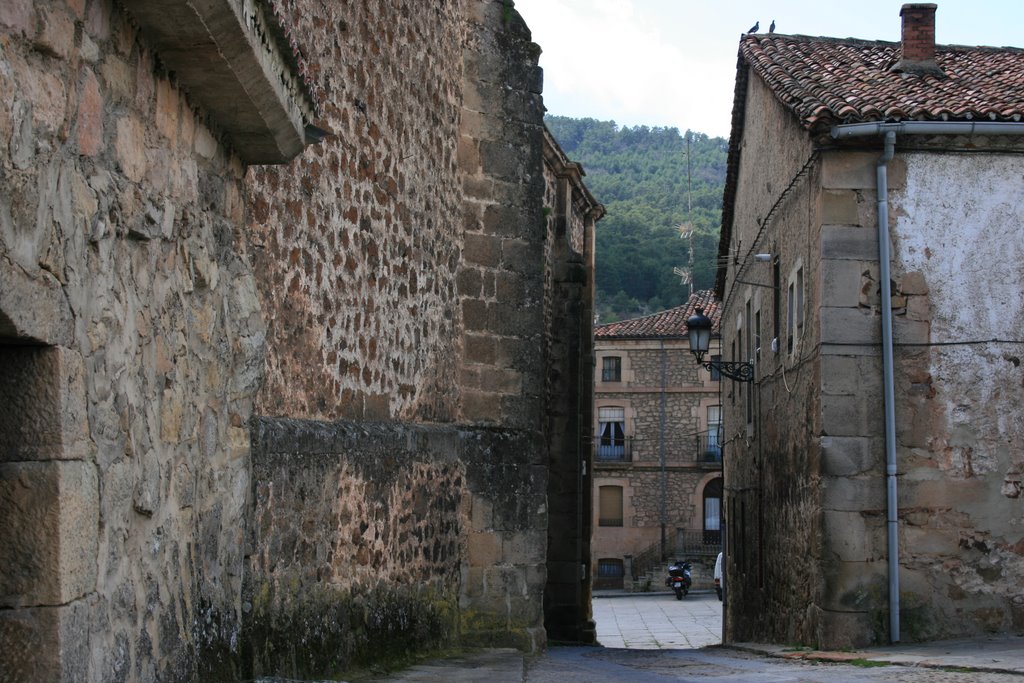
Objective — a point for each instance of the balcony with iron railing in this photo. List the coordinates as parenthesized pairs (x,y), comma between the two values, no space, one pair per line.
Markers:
(703,449)
(709,448)
(613,449)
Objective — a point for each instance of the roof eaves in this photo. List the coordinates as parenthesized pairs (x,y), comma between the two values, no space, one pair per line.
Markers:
(732,167)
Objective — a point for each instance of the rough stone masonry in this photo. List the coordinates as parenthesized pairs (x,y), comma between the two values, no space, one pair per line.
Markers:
(285,419)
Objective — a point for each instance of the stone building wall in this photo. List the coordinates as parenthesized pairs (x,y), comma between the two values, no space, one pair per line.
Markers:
(571,213)
(680,368)
(440,256)
(688,393)
(959,504)
(132,342)
(809,479)
(773,499)
(373,541)
(357,242)
(162,305)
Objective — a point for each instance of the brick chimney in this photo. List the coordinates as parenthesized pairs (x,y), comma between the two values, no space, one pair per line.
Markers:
(917,49)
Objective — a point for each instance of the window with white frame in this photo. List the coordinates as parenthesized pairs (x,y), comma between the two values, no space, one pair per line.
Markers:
(611,369)
(611,433)
(713,450)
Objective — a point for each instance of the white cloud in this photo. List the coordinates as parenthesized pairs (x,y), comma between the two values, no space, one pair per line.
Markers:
(622,65)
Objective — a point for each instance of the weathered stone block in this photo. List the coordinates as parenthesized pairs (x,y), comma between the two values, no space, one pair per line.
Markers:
(130,147)
(844,630)
(482,250)
(19,15)
(845,242)
(906,331)
(480,349)
(469,155)
(42,404)
(525,547)
(850,416)
(849,456)
(49,539)
(504,221)
(840,375)
(913,283)
(523,257)
(846,536)
(513,318)
(483,549)
(56,32)
(849,170)
(839,207)
(849,326)
(841,281)
(63,630)
(521,412)
(849,494)
(481,406)
(475,316)
(502,160)
(860,585)
(167,110)
(33,308)
(929,543)
(90,116)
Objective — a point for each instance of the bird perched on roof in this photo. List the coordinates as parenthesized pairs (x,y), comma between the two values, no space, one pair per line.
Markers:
(771,29)
(753,29)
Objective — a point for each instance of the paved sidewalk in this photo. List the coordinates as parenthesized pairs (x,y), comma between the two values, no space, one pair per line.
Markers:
(995,654)
(657,621)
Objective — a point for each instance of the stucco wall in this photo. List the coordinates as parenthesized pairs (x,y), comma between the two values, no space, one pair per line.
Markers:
(957,255)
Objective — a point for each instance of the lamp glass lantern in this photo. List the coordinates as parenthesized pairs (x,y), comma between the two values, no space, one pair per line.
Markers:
(698,328)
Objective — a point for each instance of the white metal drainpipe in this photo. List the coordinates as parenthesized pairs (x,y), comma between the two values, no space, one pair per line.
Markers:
(888,132)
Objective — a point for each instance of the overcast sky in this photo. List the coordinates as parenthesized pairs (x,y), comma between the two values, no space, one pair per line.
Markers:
(673,62)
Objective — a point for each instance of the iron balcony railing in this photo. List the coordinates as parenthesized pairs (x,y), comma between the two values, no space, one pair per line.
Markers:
(706,449)
(614,449)
(709,448)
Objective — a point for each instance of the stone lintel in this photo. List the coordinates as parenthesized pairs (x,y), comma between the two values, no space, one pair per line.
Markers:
(225,55)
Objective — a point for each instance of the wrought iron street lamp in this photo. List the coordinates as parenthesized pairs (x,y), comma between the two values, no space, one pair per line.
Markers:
(698,327)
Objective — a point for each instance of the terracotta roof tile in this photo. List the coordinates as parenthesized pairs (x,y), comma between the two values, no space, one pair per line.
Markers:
(669,323)
(828,81)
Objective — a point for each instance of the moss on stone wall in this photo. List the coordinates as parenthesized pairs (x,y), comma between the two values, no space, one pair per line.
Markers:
(331,630)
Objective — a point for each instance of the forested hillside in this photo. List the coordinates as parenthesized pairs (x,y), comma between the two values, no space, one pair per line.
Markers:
(640,175)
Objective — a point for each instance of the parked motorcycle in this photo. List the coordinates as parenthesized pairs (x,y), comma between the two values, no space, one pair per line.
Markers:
(679,578)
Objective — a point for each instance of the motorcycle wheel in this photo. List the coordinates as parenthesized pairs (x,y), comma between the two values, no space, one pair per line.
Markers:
(679,593)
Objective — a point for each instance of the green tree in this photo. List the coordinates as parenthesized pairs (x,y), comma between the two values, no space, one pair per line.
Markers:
(651,182)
